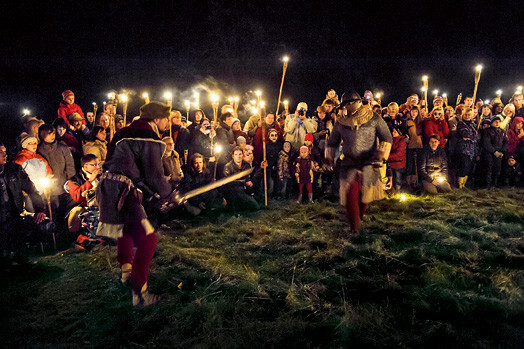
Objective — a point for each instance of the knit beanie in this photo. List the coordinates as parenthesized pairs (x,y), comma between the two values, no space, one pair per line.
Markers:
(28,139)
(437,99)
(67,93)
(154,110)
(235,120)
(241,139)
(309,137)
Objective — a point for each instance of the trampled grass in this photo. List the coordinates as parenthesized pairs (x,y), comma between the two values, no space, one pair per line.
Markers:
(428,271)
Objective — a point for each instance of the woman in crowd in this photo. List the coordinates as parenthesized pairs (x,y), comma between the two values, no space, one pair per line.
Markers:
(467,150)
(98,145)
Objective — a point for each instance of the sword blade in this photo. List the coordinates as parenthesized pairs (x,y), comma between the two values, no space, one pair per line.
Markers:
(214,185)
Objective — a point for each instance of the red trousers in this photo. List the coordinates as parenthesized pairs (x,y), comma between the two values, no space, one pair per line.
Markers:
(135,235)
(355,209)
(309,187)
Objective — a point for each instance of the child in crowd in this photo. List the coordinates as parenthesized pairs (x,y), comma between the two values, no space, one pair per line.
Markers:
(511,173)
(272,150)
(284,173)
(304,173)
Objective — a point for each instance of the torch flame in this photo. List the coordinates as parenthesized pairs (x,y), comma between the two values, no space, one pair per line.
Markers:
(26,112)
(168,95)
(435,92)
(258,93)
(236,99)
(124,98)
(111,95)
(214,98)
(45,182)
(425,78)
(479,68)
(187,103)
(499,92)
(285,59)
(378,95)
(218,148)
(145,95)
(286,102)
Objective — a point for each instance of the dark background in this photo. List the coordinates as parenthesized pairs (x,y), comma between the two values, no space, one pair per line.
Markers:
(94,47)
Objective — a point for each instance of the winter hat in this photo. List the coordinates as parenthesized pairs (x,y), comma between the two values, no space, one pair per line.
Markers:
(28,139)
(512,156)
(241,139)
(154,110)
(74,117)
(437,99)
(118,118)
(184,119)
(302,105)
(67,93)
(495,118)
(235,120)
(304,147)
(397,129)
(309,137)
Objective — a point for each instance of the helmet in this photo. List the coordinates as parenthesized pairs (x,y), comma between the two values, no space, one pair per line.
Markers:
(350,103)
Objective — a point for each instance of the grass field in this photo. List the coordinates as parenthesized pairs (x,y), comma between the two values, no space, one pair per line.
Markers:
(426,272)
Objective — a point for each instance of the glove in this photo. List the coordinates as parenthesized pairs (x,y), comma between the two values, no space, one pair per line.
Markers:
(498,154)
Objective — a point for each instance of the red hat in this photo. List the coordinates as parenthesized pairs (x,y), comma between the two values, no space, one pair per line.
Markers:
(309,137)
(437,98)
(67,93)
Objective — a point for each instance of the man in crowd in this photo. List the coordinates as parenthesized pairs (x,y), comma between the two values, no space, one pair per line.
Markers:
(134,161)
(13,182)
(298,125)
(235,192)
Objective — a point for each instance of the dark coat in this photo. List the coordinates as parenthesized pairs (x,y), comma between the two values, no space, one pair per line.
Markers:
(432,164)
(200,143)
(17,181)
(136,152)
(469,147)
(494,139)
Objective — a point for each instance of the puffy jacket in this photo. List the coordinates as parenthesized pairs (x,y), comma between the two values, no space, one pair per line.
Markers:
(494,139)
(61,162)
(398,152)
(34,165)
(75,186)
(432,164)
(439,127)
(296,129)
(513,138)
(469,146)
(65,109)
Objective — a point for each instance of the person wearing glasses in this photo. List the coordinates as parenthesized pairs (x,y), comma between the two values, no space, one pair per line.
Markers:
(436,125)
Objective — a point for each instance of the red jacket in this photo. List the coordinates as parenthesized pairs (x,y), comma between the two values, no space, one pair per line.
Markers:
(438,127)
(513,138)
(398,152)
(23,155)
(67,109)
(76,186)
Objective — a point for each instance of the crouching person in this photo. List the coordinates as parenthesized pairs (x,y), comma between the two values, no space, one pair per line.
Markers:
(235,192)
(433,168)
(81,188)
(13,180)
(134,166)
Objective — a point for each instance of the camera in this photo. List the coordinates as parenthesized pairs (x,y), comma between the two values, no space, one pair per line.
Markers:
(302,112)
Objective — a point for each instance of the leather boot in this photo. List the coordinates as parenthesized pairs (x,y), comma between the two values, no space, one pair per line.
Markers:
(126,272)
(144,298)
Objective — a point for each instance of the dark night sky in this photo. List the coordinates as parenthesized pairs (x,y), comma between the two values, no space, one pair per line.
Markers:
(92,47)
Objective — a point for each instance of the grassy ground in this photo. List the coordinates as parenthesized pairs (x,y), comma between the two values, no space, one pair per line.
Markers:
(431,272)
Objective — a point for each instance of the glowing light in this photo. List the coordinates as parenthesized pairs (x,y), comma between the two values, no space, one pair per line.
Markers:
(444,95)
(26,112)
(519,88)
(230,99)
(94,103)
(378,95)
(440,179)
(286,102)
(258,93)
(236,99)
(423,89)
(253,102)
(435,92)
(499,93)
(479,68)
(214,98)
(425,78)
(262,104)
(285,59)
(403,197)
(486,101)
(111,95)
(168,95)
(187,103)
(124,98)
(145,95)
(218,148)
(45,182)
(196,95)
(254,110)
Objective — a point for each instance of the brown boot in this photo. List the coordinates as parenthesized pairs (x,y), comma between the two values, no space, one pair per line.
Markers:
(144,298)
(126,272)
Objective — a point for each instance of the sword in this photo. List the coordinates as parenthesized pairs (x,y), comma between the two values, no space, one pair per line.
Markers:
(177,198)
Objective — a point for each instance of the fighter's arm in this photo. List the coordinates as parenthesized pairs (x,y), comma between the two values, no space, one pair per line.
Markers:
(385,139)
